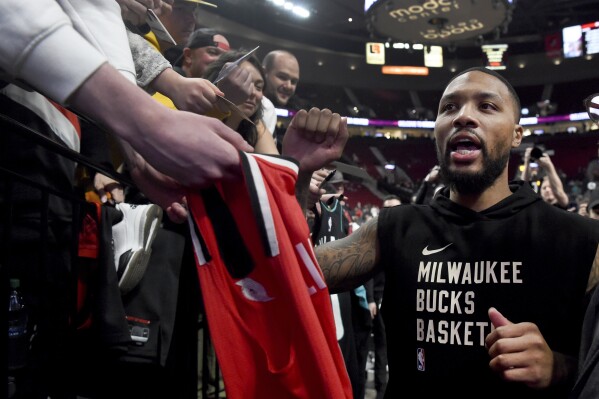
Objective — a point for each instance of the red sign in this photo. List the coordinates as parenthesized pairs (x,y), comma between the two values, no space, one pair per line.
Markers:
(553,45)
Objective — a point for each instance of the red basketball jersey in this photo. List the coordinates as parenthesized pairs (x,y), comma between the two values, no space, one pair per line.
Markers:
(267,304)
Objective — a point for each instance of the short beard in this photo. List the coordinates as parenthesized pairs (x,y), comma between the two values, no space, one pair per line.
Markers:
(473,183)
(275,100)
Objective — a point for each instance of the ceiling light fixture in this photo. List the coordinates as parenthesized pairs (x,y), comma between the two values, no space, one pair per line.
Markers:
(300,11)
(293,8)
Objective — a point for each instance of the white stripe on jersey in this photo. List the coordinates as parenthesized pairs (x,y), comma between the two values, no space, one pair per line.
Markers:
(195,241)
(268,220)
(312,268)
(43,108)
(278,160)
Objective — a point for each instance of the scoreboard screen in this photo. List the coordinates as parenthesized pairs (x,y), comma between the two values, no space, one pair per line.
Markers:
(590,34)
(580,40)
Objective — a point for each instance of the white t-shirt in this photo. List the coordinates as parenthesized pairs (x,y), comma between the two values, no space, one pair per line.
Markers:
(269,116)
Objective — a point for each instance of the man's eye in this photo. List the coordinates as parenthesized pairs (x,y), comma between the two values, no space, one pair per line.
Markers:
(488,106)
(448,107)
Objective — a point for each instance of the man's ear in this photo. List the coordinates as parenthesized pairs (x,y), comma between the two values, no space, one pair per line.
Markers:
(186,56)
(517,136)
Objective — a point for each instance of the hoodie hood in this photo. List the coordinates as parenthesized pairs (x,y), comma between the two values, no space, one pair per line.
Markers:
(522,196)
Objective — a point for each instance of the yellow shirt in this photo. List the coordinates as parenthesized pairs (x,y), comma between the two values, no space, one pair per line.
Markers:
(161,98)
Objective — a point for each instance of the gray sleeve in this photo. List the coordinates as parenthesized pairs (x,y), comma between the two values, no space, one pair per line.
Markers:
(149,63)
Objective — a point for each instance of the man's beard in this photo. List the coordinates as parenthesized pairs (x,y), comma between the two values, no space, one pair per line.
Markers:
(474,183)
(274,98)
(278,103)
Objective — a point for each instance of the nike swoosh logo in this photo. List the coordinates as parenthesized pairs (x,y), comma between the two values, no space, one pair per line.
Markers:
(427,251)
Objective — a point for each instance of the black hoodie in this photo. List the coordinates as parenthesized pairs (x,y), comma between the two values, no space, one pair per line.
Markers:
(446,265)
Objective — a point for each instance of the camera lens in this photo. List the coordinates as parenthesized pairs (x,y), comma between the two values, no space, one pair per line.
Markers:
(536,153)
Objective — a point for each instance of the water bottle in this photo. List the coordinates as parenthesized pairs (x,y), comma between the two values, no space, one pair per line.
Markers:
(18,341)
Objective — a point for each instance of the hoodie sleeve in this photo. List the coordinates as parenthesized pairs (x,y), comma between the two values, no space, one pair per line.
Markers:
(55,48)
(149,63)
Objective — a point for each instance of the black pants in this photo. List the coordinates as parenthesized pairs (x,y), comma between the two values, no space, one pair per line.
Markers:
(380,354)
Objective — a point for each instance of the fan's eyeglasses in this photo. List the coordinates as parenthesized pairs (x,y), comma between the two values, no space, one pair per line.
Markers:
(591,103)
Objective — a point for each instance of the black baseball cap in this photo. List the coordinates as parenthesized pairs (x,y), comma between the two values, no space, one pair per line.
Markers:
(204,37)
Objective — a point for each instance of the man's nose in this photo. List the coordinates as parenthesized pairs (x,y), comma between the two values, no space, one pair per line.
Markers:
(465,117)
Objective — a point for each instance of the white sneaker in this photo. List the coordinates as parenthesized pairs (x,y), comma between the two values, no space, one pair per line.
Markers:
(132,240)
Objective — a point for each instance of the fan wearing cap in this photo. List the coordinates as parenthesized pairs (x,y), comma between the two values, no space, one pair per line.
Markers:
(203,48)
(337,183)
(194,95)
(170,89)
(353,321)
(180,23)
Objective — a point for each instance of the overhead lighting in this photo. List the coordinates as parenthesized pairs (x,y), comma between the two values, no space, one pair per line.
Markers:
(404,70)
(300,11)
(290,6)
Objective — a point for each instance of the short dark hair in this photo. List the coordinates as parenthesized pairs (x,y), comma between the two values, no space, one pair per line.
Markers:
(503,80)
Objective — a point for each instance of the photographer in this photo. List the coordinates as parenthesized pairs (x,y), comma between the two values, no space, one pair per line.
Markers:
(551,187)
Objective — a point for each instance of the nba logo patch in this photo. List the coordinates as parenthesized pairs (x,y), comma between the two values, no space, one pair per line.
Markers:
(420,360)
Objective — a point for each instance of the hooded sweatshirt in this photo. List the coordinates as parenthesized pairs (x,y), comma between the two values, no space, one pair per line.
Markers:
(55,45)
(446,265)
